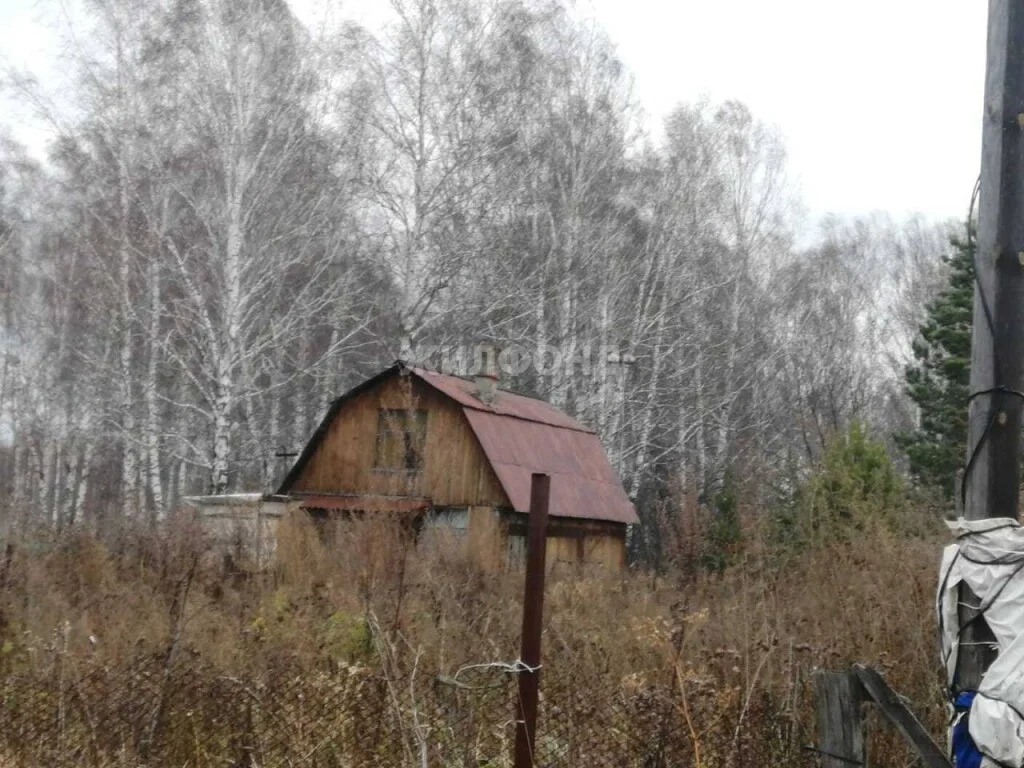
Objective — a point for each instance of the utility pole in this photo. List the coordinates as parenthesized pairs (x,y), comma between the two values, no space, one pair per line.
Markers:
(992,476)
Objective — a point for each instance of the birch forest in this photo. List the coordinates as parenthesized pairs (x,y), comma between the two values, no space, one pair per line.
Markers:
(238,218)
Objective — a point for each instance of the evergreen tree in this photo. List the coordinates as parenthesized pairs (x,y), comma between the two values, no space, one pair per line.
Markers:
(724,532)
(855,485)
(939,379)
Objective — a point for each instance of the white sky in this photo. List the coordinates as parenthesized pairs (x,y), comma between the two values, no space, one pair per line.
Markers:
(879,100)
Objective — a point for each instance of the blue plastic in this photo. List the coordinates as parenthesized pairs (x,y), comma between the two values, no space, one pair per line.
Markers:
(965,753)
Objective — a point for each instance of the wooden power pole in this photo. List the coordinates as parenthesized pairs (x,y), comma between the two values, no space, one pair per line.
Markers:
(992,476)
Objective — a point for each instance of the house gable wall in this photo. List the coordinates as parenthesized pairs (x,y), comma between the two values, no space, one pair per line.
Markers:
(455,470)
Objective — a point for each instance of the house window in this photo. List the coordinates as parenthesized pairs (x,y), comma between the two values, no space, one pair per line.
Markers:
(441,528)
(454,519)
(401,435)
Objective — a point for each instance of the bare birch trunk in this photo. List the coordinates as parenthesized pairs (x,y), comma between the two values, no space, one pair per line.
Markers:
(562,374)
(724,412)
(21,475)
(228,350)
(153,430)
(88,453)
(647,415)
(271,464)
(56,487)
(221,428)
(702,443)
(129,457)
(72,488)
(45,477)
(301,402)
(603,389)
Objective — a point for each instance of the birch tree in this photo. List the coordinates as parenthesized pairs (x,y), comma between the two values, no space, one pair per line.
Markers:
(262,253)
(435,131)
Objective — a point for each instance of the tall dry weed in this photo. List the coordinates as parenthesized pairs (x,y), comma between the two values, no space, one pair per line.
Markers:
(718,662)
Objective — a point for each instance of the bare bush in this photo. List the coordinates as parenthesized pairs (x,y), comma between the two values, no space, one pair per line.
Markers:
(361,646)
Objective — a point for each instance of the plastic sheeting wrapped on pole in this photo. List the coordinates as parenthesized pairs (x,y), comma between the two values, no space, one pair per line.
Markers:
(988,557)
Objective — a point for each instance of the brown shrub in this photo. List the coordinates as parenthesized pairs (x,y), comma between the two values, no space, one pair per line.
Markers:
(682,667)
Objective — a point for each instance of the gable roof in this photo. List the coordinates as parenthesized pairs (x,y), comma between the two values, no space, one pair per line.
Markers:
(519,435)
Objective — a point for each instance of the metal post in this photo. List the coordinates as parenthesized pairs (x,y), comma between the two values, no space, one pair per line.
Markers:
(533,614)
(997,341)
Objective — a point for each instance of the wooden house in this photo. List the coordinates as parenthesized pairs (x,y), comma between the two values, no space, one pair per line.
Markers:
(459,453)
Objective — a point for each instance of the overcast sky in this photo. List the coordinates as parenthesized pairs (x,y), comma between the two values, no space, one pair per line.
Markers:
(879,100)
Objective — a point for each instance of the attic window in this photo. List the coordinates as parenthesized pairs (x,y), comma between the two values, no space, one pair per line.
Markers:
(401,435)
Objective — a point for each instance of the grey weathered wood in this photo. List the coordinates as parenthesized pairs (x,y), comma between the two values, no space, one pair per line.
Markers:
(840,723)
(895,710)
(977,649)
(997,353)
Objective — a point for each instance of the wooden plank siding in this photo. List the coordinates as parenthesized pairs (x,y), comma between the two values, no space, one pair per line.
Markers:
(455,472)
(594,549)
(579,542)
(487,538)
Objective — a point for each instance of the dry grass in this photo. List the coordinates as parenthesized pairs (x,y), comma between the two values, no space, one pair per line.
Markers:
(735,651)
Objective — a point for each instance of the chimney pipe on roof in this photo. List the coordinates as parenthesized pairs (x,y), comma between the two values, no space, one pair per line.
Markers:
(486,376)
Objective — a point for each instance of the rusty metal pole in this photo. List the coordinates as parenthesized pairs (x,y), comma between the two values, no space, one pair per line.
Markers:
(533,614)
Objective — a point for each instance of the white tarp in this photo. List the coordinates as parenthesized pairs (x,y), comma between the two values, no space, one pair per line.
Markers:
(988,557)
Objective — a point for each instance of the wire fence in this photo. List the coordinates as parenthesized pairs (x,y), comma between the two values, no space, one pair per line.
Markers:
(149,713)
(192,715)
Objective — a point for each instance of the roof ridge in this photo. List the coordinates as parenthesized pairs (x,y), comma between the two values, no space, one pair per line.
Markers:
(469,380)
(479,405)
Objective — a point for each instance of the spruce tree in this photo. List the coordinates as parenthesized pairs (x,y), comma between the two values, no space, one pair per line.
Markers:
(938,380)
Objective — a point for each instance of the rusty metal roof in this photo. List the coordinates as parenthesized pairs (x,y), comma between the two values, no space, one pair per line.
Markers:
(583,483)
(505,403)
(521,435)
